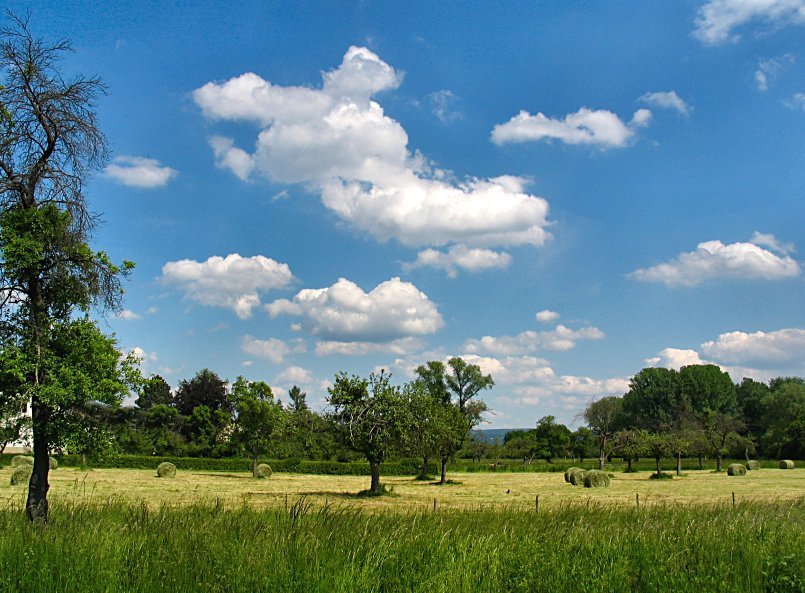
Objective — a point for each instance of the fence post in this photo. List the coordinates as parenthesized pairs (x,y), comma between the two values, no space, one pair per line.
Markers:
(434,504)
(637,499)
(733,501)
(536,504)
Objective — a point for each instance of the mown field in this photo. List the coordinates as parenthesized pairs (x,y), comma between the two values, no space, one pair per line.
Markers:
(126,530)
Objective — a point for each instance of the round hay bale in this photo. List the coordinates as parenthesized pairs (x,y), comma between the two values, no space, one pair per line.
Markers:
(22,475)
(570,470)
(736,469)
(19,460)
(166,470)
(53,463)
(264,471)
(577,477)
(786,464)
(596,479)
(752,465)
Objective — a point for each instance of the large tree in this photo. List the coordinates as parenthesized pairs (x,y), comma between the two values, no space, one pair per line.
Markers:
(154,391)
(49,145)
(259,416)
(370,415)
(654,398)
(605,417)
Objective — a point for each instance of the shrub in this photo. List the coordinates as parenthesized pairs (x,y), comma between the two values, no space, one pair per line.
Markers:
(570,470)
(786,464)
(166,470)
(577,477)
(22,474)
(752,465)
(596,479)
(661,476)
(736,469)
(263,471)
(19,460)
(53,463)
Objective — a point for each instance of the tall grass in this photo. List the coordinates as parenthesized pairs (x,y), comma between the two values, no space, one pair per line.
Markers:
(127,547)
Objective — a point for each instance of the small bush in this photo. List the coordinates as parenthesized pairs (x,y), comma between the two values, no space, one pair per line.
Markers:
(22,474)
(786,464)
(166,470)
(570,470)
(577,477)
(53,463)
(661,476)
(736,469)
(752,465)
(19,460)
(263,471)
(596,479)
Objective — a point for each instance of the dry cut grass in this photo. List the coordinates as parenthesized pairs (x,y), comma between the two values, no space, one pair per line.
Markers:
(466,491)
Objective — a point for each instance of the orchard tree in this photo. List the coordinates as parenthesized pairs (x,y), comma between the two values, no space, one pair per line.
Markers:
(370,414)
(259,417)
(50,143)
(605,417)
(205,389)
(554,438)
(464,381)
(653,399)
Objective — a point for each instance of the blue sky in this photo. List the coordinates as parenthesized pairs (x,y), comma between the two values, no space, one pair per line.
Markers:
(563,193)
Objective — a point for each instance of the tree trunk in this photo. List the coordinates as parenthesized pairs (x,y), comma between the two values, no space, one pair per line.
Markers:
(629,463)
(374,468)
(657,461)
(718,461)
(36,506)
(701,462)
(679,463)
(443,477)
(602,459)
(424,466)
(254,464)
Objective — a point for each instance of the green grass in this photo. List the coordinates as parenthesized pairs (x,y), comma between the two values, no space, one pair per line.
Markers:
(129,547)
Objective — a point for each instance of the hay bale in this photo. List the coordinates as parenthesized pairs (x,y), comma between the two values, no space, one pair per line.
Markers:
(786,464)
(577,477)
(166,470)
(263,471)
(22,475)
(570,470)
(596,479)
(752,465)
(736,469)
(19,460)
(52,463)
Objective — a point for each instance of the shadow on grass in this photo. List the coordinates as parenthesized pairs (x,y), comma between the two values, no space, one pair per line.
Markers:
(230,476)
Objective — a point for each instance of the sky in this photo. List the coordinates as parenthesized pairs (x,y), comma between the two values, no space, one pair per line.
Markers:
(562,193)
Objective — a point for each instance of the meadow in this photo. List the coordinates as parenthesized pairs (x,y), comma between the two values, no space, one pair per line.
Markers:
(126,530)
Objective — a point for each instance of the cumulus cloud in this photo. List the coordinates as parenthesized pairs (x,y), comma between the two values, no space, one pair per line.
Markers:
(776,348)
(338,141)
(129,315)
(547,316)
(675,358)
(349,320)
(560,338)
(667,100)
(232,282)
(714,259)
(716,19)
(586,126)
(135,171)
(399,347)
(441,104)
(272,349)
(460,257)
(768,70)
(796,102)
(296,375)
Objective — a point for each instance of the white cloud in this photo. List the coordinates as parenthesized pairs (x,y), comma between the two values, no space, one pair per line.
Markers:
(776,348)
(272,349)
(399,347)
(232,282)
(714,259)
(560,338)
(716,19)
(129,315)
(344,313)
(547,316)
(667,100)
(586,126)
(296,375)
(768,70)
(675,358)
(797,101)
(441,104)
(460,257)
(139,172)
(338,141)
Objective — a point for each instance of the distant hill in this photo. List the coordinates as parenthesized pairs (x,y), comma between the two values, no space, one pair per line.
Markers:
(492,435)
